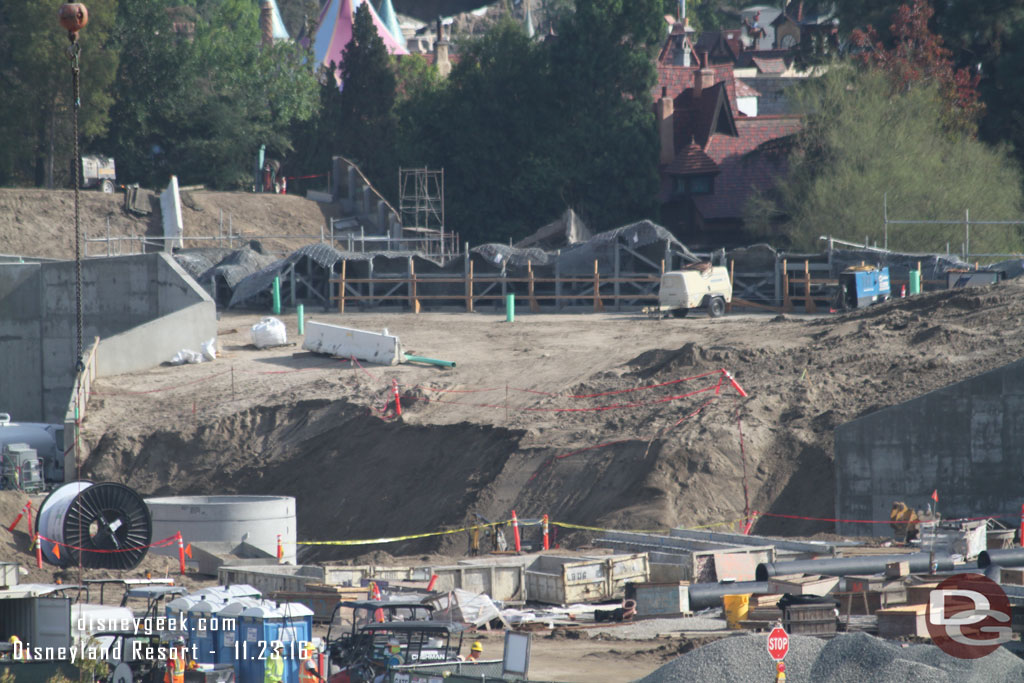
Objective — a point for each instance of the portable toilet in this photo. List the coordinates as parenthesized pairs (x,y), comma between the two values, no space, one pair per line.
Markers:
(259,626)
(178,623)
(225,637)
(202,619)
(230,593)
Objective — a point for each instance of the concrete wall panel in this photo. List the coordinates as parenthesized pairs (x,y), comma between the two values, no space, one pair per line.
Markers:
(965,440)
(157,341)
(38,324)
(20,369)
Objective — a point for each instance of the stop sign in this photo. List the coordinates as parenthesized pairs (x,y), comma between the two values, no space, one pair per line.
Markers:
(778,643)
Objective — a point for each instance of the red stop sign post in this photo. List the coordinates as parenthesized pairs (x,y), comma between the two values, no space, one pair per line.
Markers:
(778,643)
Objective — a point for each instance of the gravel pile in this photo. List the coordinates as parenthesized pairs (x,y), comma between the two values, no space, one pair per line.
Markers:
(645,629)
(847,657)
(739,659)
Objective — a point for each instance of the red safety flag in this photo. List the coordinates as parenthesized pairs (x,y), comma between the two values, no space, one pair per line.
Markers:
(935,495)
(56,551)
(188,551)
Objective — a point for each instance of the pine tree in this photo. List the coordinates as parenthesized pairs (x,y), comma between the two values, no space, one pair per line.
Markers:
(366,121)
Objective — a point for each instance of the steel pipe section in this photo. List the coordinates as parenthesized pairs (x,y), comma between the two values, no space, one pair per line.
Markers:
(710,594)
(256,520)
(107,524)
(840,566)
(1009,557)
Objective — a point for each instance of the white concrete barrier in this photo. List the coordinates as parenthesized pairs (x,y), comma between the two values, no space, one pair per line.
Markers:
(335,340)
(170,209)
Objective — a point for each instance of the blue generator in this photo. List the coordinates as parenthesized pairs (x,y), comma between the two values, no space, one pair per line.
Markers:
(862,286)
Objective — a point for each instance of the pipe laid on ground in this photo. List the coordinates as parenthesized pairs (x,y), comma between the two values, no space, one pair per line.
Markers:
(1009,557)
(409,358)
(838,566)
(710,594)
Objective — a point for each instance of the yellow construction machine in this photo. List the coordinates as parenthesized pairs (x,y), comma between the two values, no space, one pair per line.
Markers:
(904,521)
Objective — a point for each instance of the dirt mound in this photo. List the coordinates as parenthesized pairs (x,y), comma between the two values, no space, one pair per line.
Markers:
(353,477)
(600,419)
(605,419)
(40,223)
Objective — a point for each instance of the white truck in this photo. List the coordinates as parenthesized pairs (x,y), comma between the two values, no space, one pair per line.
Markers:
(698,286)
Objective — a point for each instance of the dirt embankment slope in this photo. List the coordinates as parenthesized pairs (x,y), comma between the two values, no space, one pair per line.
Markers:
(40,223)
(486,437)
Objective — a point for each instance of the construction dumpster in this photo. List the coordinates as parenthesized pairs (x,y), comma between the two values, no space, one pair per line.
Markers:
(566,580)
(500,580)
(271,578)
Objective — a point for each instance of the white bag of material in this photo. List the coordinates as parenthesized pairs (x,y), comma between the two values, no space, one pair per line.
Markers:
(186,356)
(268,332)
(209,349)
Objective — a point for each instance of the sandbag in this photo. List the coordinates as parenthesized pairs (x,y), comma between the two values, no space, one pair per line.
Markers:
(186,356)
(268,332)
(209,349)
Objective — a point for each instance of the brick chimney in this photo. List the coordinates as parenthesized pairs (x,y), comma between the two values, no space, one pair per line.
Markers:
(267,23)
(705,78)
(664,111)
(441,61)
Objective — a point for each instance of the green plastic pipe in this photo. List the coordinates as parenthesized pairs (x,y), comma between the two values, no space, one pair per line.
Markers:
(915,282)
(277,295)
(300,311)
(409,358)
(510,308)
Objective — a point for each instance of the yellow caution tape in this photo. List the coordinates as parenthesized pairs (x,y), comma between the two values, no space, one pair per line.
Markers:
(564,525)
(395,539)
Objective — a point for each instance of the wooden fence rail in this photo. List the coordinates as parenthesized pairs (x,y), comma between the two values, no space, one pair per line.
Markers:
(406,287)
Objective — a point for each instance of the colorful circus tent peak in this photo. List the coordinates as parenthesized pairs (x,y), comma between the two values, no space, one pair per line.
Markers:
(390,19)
(334,31)
(280,32)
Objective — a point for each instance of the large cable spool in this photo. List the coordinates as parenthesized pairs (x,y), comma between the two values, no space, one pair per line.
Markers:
(109,518)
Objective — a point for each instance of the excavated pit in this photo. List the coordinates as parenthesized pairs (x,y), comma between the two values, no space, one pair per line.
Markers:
(511,428)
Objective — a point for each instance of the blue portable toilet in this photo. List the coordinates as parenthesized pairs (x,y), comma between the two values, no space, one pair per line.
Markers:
(201,620)
(226,641)
(261,625)
(176,612)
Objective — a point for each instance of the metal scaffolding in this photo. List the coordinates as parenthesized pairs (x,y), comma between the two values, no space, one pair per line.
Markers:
(421,198)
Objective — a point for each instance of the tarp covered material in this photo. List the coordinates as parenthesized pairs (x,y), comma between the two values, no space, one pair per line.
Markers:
(237,266)
(263,279)
(466,607)
(334,31)
(579,258)
(569,229)
(501,255)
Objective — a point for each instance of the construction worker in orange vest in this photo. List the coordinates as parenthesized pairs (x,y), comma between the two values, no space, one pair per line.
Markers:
(175,672)
(308,673)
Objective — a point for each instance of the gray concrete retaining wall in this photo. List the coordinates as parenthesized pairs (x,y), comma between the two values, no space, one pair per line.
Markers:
(144,308)
(965,440)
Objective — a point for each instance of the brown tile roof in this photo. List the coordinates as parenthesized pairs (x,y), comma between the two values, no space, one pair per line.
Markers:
(676,79)
(691,160)
(749,162)
(744,89)
(724,45)
(746,59)
(698,118)
(769,65)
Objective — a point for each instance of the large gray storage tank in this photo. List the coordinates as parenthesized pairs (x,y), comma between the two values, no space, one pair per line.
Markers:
(256,520)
